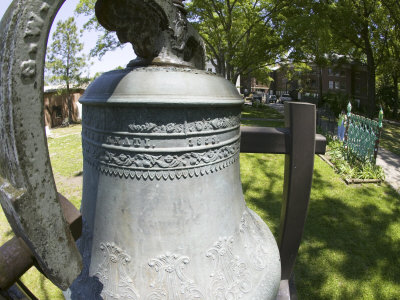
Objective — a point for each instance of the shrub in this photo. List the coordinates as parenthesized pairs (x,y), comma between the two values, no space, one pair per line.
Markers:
(348,166)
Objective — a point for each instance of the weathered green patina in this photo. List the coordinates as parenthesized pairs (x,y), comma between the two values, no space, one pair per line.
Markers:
(362,135)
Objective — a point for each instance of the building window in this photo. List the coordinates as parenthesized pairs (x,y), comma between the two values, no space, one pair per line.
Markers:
(342,85)
(357,88)
(337,73)
(334,85)
(313,84)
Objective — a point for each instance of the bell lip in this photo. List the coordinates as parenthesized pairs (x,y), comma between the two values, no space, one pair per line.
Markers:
(161,86)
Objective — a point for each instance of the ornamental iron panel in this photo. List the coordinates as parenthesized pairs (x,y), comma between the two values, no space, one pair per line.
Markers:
(362,136)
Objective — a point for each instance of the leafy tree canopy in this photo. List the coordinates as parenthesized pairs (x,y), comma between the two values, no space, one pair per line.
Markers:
(65,62)
(240,35)
(245,36)
(106,41)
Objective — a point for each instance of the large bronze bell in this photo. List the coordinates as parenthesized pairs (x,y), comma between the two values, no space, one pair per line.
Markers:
(162,201)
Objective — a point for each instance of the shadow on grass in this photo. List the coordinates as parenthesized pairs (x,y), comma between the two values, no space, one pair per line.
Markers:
(43,288)
(348,250)
(9,234)
(351,243)
(262,186)
(390,138)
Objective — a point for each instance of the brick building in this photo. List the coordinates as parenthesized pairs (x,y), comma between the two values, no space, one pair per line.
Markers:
(348,79)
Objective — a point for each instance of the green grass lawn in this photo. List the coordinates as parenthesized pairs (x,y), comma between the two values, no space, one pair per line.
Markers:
(250,114)
(390,138)
(351,244)
(261,123)
(264,112)
(352,235)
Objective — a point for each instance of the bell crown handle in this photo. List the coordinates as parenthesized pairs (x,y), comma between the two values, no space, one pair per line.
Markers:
(158,30)
(28,193)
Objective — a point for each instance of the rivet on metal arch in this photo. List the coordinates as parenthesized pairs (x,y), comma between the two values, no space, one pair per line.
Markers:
(28,193)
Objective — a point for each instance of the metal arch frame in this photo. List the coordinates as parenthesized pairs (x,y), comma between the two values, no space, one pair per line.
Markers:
(27,188)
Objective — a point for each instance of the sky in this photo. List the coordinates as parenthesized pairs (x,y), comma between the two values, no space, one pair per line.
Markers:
(113,59)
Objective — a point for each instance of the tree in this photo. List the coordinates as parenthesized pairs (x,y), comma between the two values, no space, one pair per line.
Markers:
(360,23)
(389,69)
(306,26)
(240,35)
(393,9)
(106,41)
(64,59)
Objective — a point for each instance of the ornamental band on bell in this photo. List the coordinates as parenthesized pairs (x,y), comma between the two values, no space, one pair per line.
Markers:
(143,150)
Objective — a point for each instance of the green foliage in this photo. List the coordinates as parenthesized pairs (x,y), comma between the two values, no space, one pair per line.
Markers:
(385,94)
(349,166)
(336,102)
(388,91)
(262,74)
(357,29)
(306,25)
(106,40)
(65,61)
(240,36)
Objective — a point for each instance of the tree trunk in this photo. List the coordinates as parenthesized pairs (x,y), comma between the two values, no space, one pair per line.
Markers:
(371,85)
(371,68)
(69,101)
(396,96)
(319,85)
(235,78)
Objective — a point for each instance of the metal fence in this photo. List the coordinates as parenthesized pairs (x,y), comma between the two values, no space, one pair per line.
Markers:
(326,121)
(362,136)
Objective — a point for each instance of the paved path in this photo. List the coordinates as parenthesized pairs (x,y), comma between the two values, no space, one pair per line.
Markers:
(390,164)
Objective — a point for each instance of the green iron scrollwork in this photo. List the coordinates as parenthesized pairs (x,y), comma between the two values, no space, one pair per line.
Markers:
(362,135)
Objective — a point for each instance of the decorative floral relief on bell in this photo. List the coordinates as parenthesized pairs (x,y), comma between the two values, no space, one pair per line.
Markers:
(254,242)
(231,277)
(112,273)
(162,197)
(171,281)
